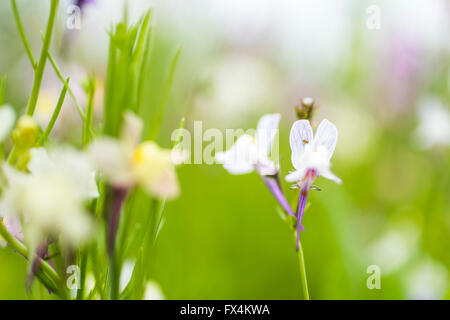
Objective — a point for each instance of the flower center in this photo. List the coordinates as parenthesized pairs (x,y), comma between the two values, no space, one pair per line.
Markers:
(138,156)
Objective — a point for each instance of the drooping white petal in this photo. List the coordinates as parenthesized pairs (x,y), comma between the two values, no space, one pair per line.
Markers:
(265,133)
(267,167)
(71,163)
(241,158)
(326,173)
(79,168)
(131,129)
(126,273)
(40,163)
(295,175)
(153,291)
(113,160)
(301,135)
(7,119)
(326,135)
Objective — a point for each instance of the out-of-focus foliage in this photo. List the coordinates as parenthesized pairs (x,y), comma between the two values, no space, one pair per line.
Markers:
(222,238)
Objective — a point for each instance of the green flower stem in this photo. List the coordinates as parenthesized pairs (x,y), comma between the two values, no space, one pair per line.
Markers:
(301,261)
(60,76)
(301,257)
(48,277)
(22,33)
(87,122)
(42,59)
(83,265)
(2,90)
(156,125)
(55,115)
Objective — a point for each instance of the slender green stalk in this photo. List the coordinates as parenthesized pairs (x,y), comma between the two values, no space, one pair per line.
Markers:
(42,59)
(83,265)
(48,276)
(55,115)
(301,261)
(22,33)
(154,129)
(87,123)
(143,66)
(61,77)
(301,258)
(2,90)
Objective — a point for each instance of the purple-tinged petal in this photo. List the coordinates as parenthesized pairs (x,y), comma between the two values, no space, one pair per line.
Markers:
(300,210)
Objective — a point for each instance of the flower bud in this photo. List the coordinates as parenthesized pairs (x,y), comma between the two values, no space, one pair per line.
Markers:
(26,133)
(306,109)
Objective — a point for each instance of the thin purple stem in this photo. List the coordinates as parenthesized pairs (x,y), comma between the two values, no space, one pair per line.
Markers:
(118,195)
(274,186)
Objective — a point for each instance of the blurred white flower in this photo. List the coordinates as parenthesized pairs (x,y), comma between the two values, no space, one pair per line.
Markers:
(126,163)
(312,153)
(153,292)
(233,94)
(434,123)
(126,273)
(427,280)
(252,153)
(393,249)
(51,198)
(7,119)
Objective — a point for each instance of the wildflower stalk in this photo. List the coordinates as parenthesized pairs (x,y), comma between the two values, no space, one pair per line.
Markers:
(301,263)
(22,33)
(88,120)
(55,114)
(42,59)
(61,77)
(159,113)
(301,257)
(116,199)
(2,89)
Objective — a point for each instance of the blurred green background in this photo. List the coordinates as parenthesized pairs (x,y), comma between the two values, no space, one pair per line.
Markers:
(386,89)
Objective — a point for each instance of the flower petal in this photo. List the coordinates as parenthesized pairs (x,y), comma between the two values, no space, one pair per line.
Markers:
(330,175)
(241,158)
(265,133)
(70,163)
(295,176)
(155,171)
(131,129)
(301,135)
(113,161)
(326,135)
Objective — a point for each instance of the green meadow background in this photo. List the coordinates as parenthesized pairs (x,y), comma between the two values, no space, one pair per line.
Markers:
(223,238)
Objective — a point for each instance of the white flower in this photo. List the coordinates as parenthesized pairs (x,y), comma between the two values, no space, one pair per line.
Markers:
(394,248)
(252,153)
(7,119)
(126,273)
(51,198)
(427,280)
(312,154)
(153,291)
(434,126)
(125,163)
